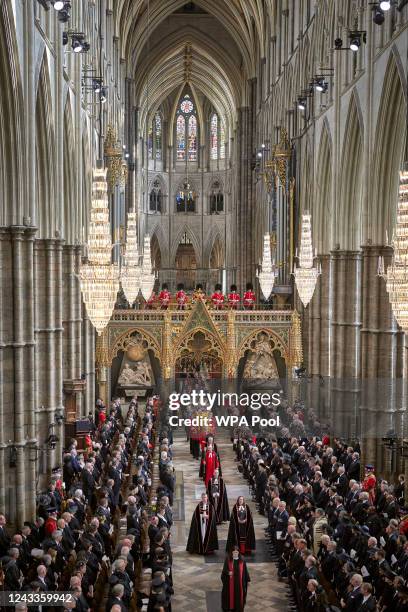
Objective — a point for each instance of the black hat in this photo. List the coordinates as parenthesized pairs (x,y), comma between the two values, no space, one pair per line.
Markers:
(199,286)
(218,287)
(249,286)
(180,286)
(164,286)
(233,287)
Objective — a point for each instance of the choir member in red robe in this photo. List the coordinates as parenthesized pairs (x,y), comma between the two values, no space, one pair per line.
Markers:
(235,579)
(217,297)
(211,463)
(233,298)
(181,297)
(204,442)
(202,538)
(241,530)
(164,297)
(249,297)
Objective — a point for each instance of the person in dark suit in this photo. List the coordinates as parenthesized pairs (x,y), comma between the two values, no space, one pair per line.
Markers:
(353,599)
(368,603)
(115,598)
(4,537)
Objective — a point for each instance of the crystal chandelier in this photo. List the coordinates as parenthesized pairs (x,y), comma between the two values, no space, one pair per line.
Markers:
(269,271)
(99,278)
(131,272)
(147,277)
(306,274)
(396,277)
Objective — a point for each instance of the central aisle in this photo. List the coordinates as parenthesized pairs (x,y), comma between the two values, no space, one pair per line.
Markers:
(197,580)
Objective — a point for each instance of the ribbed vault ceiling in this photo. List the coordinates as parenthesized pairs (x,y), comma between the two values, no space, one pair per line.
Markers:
(191,56)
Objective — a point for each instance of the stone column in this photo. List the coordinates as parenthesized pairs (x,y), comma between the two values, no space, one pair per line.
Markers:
(72,314)
(345,349)
(382,363)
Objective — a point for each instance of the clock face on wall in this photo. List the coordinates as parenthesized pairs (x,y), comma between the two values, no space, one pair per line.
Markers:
(187,106)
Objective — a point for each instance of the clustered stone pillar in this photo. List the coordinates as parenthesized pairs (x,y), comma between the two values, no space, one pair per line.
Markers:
(355,354)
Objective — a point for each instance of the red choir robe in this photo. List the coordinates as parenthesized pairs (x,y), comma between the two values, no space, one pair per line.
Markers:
(235,578)
(249,299)
(164,298)
(217,300)
(211,463)
(234,300)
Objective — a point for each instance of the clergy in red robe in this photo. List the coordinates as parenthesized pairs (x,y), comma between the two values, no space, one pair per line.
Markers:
(241,532)
(151,302)
(211,463)
(202,538)
(235,579)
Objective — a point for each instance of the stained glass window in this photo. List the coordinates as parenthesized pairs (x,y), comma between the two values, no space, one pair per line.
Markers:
(158,136)
(192,138)
(214,136)
(222,141)
(150,142)
(181,138)
(187,106)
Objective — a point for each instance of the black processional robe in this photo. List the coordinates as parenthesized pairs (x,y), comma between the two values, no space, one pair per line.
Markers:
(241,534)
(235,580)
(219,502)
(196,543)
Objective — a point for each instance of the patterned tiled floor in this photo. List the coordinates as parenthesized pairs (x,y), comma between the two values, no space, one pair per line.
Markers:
(197,584)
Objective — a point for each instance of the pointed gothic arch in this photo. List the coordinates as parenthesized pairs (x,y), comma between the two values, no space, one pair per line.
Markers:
(69,216)
(13,203)
(388,151)
(349,213)
(45,155)
(322,211)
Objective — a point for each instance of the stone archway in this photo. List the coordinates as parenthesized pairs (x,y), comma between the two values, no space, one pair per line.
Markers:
(199,348)
(136,339)
(277,345)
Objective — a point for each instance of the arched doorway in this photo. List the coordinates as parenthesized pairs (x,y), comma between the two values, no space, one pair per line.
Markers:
(186,263)
(199,352)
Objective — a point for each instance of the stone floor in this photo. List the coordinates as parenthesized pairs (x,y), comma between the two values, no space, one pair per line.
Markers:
(197,580)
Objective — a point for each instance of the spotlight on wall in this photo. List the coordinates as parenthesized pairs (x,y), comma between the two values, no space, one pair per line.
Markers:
(103,95)
(378,15)
(97,85)
(356,38)
(64,14)
(302,104)
(320,84)
(77,43)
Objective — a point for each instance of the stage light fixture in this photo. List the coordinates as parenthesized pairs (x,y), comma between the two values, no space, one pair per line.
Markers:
(64,14)
(356,38)
(378,16)
(97,85)
(59,5)
(385,5)
(65,38)
(103,95)
(355,43)
(77,44)
(338,43)
(321,85)
(302,104)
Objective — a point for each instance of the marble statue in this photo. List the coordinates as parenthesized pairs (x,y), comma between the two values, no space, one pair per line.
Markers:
(140,375)
(261,363)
